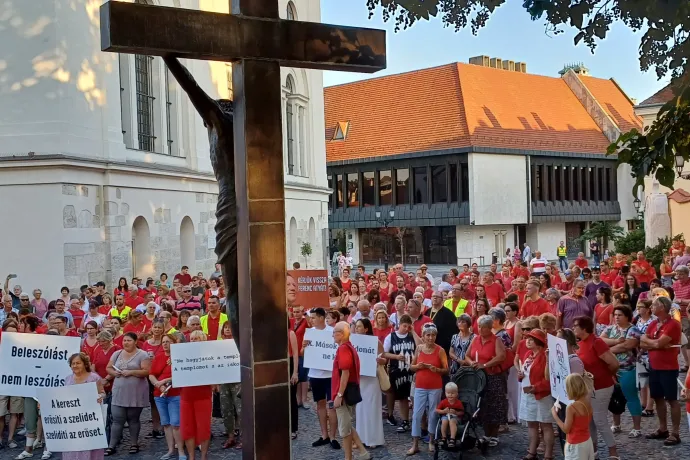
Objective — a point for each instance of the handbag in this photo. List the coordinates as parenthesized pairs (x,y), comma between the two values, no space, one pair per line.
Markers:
(384,380)
(618,401)
(352,395)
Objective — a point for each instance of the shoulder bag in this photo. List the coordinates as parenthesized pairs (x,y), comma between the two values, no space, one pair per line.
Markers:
(352,395)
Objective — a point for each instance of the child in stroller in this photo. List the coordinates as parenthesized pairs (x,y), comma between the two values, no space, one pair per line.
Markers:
(451,411)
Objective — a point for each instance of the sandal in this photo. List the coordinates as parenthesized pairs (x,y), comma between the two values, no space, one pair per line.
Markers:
(672,440)
(133,450)
(530,457)
(658,435)
(238,446)
(108,452)
(647,413)
(412,452)
(229,443)
(451,443)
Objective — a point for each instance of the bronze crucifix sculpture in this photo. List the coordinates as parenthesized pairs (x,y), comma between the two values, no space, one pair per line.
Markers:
(246,150)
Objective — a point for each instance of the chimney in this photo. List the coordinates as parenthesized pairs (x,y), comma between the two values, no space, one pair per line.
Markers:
(498,63)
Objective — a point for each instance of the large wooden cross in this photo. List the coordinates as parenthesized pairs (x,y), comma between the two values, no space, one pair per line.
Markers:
(257,42)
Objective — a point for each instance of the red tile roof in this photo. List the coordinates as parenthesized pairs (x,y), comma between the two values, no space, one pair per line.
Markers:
(660,97)
(462,105)
(614,101)
(679,195)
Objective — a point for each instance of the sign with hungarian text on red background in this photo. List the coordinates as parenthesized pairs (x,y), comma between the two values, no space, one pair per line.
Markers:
(307,288)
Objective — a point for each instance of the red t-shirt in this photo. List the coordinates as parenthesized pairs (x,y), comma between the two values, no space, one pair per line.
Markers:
(521,296)
(133,302)
(100,362)
(77,316)
(72,333)
(609,278)
(214,326)
(118,340)
(346,284)
(566,286)
(299,328)
(152,350)
(138,329)
(602,314)
(619,282)
(381,334)
(393,278)
(457,406)
(428,293)
(161,369)
(147,322)
(485,352)
(417,325)
(494,292)
(105,309)
(665,359)
(184,279)
(582,263)
(522,350)
(42,329)
(590,350)
(346,358)
(534,307)
(649,275)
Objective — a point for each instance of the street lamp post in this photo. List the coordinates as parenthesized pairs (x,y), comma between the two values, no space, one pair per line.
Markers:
(385,222)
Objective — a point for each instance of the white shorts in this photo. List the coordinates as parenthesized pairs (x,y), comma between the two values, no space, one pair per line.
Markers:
(581,451)
(533,410)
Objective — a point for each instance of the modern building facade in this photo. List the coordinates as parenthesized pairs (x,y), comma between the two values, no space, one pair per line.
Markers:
(104,163)
(473,160)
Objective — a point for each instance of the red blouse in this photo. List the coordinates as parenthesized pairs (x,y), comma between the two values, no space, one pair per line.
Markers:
(485,352)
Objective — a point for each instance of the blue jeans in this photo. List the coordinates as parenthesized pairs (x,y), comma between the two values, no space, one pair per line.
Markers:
(169,410)
(425,400)
(563,263)
(596,260)
(627,380)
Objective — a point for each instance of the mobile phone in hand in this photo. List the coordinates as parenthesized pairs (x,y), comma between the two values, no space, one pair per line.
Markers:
(330,404)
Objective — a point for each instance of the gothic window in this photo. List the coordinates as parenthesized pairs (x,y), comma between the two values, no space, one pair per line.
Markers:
(291,11)
(145,101)
(290,121)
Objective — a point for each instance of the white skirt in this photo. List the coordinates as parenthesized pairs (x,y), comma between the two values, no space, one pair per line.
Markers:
(581,451)
(532,410)
(369,419)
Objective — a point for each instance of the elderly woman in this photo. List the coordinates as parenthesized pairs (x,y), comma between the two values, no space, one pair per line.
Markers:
(460,342)
(429,363)
(129,368)
(488,352)
(382,326)
(368,412)
(644,319)
(536,401)
(196,406)
(623,339)
(603,365)
(548,323)
(499,317)
(552,296)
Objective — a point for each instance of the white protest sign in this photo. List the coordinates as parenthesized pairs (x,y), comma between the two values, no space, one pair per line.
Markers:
(205,363)
(321,351)
(559,368)
(72,418)
(32,361)
(367,347)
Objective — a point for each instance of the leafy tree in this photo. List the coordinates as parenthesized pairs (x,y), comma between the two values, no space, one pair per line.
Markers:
(602,232)
(306,253)
(631,242)
(665,46)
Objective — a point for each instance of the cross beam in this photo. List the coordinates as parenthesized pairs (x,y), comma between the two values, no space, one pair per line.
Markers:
(133,28)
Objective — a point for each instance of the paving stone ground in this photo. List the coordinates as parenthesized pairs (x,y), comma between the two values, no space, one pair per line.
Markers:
(513,445)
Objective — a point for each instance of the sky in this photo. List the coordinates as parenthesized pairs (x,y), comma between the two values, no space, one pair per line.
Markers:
(510,34)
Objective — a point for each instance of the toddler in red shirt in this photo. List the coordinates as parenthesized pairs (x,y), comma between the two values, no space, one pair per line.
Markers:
(451,411)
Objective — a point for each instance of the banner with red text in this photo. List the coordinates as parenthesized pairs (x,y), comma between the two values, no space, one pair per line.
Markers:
(307,288)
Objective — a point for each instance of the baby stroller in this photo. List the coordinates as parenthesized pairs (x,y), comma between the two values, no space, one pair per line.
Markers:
(470,384)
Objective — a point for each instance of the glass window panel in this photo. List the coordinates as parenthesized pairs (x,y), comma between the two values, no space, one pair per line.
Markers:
(333,186)
(368,189)
(465,181)
(559,184)
(339,191)
(453,183)
(402,186)
(439,184)
(420,185)
(385,188)
(353,190)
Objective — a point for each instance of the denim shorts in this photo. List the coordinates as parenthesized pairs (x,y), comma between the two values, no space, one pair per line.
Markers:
(302,372)
(169,410)
(450,417)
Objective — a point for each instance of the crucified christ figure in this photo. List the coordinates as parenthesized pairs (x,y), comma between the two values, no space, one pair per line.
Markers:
(218,119)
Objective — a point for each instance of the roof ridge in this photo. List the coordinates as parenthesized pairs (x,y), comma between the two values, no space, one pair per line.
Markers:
(399,74)
(463,108)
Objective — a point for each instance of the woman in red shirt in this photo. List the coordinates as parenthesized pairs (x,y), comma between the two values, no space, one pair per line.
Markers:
(480,307)
(90,342)
(536,401)
(167,398)
(101,357)
(154,347)
(430,364)
(603,311)
(488,352)
(196,407)
(382,325)
(603,365)
(122,287)
(294,380)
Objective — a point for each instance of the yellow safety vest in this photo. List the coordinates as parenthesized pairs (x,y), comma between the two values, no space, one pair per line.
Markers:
(116,314)
(221,320)
(459,310)
(562,251)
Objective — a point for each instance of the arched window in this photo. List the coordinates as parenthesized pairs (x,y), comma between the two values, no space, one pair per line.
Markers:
(142,262)
(292,250)
(291,11)
(290,124)
(187,240)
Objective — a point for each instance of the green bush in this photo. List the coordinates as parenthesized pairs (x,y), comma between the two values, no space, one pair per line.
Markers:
(631,242)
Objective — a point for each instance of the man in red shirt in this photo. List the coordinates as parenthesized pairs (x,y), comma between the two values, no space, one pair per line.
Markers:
(398,272)
(566,286)
(505,279)
(61,325)
(681,287)
(642,270)
(494,291)
(607,275)
(428,292)
(534,304)
(465,271)
(299,323)
(474,281)
(418,320)
(133,299)
(521,292)
(661,339)
(345,372)
(184,276)
(581,261)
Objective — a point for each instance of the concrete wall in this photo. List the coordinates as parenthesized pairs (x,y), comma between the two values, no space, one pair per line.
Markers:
(498,190)
(474,241)
(549,236)
(352,243)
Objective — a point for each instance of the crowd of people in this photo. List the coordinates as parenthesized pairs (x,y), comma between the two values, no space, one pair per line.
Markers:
(625,325)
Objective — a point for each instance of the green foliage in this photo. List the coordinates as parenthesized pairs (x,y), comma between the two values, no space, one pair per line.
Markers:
(664,46)
(656,254)
(631,242)
(601,231)
(306,249)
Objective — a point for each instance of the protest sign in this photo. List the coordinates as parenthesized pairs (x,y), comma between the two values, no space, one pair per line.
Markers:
(32,361)
(559,368)
(72,418)
(367,347)
(321,351)
(307,288)
(205,363)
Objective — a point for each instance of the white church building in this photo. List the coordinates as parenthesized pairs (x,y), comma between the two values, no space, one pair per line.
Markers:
(104,163)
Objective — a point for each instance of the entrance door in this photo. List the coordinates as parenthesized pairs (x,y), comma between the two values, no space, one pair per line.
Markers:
(573,230)
(440,245)
(520,236)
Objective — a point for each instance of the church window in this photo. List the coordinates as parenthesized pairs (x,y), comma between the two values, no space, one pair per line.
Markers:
(290,121)
(145,101)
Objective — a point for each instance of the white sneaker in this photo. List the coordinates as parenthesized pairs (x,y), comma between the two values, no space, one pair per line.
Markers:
(616,429)
(12,444)
(46,455)
(38,444)
(635,434)
(23,455)
(22,432)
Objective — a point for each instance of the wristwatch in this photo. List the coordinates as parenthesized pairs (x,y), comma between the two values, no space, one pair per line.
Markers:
(339,395)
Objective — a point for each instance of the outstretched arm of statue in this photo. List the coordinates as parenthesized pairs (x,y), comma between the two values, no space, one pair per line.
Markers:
(207,107)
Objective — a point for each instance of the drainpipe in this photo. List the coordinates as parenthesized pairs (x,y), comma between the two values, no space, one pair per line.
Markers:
(529,189)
